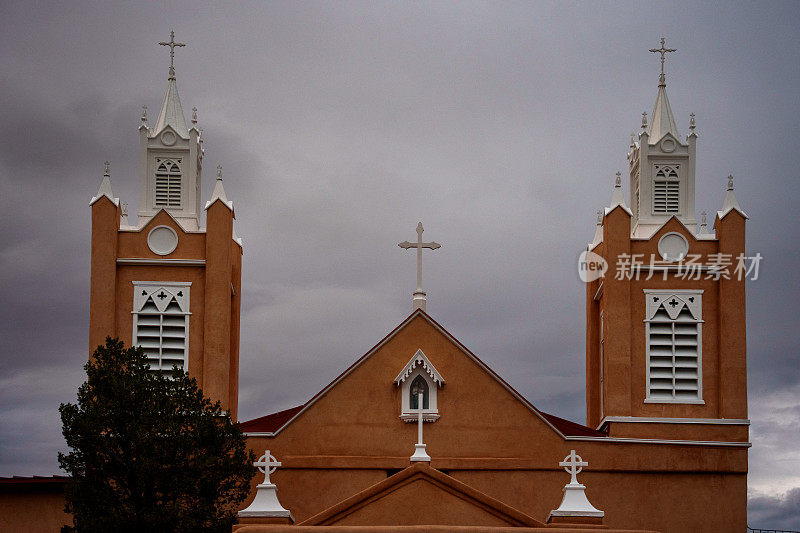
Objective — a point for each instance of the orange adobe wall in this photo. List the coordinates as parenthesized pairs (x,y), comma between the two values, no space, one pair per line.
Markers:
(211,260)
(350,437)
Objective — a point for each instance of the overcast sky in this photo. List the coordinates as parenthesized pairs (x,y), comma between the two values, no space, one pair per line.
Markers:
(339,125)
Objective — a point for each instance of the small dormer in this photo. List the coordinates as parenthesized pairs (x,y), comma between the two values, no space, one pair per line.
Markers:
(419,376)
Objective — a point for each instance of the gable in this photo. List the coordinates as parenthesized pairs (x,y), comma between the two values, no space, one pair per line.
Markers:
(421,495)
(478,410)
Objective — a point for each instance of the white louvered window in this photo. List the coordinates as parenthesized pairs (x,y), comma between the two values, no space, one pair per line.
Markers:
(168,183)
(666,190)
(674,346)
(161,323)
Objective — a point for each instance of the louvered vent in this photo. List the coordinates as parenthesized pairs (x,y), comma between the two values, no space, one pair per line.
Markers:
(674,356)
(666,191)
(162,334)
(168,183)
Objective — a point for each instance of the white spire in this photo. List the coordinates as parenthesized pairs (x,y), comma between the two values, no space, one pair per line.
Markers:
(598,233)
(730,201)
(219,192)
(616,197)
(105,186)
(662,121)
(171,110)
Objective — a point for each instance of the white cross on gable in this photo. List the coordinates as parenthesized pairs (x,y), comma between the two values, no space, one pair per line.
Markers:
(419,294)
(573,464)
(267,464)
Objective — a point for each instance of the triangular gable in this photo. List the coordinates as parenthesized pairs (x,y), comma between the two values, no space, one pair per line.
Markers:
(688,232)
(423,496)
(153,222)
(422,314)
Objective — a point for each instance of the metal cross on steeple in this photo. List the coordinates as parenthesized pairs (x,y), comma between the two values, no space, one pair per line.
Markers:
(663,51)
(419,294)
(172,44)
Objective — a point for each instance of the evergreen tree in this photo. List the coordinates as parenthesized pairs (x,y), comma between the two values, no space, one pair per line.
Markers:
(149,453)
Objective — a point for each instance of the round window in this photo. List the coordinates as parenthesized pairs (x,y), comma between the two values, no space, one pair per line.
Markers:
(162,240)
(673,247)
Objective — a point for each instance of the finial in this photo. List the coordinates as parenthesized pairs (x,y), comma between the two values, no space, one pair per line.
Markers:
(703,222)
(194,115)
(124,209)
(219,172)
(599,217)
(106,169)
(691,122)
(172,44)
(662,51)
(144,114)
(419,294)
(618,180)
(730,182)
(633,140)
(644,120)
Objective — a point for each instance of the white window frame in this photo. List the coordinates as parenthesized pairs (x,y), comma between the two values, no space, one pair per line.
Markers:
(419,365)
(692,300)
(177,290)
(672,169)
(176,160)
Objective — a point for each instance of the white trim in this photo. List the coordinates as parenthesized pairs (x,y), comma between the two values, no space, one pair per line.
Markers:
(654,420)
(162,262)
(673,400)
(631,440)
(663,254)
(682,291)
(599,293)
(419,358)
(159,338)
(159,283)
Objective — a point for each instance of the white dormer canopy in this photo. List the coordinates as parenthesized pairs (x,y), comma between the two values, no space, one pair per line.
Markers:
(422,360)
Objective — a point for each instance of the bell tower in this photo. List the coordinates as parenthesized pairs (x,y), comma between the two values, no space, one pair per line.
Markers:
(171,157)
(665,337)
(166,283)
(661,166)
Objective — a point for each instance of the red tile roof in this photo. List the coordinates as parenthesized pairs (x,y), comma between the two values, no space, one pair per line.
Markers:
(270,423)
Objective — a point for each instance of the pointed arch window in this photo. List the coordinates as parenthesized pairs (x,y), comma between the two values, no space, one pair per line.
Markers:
(168,183)
(419,376)
(161,323)
(666,190)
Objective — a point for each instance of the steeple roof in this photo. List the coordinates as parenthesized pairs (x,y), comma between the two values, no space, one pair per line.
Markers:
(171,110)
(662,120)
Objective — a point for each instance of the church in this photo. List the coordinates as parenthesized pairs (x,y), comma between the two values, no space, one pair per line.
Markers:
(419,434)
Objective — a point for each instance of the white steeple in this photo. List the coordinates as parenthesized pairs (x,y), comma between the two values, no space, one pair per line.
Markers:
(662,166)
(105,187)
(171,158)
(730,203)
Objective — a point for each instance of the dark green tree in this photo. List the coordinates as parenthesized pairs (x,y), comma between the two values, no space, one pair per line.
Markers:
(149,453)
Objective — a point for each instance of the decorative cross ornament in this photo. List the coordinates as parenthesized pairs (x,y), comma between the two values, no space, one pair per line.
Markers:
(730,182)
(267,464)
(618,180)
(419,294)
(573,464)
(106,169)
(663,51)
(172,44)
(219,172)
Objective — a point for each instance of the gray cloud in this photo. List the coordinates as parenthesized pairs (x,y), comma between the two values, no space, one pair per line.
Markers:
(339,126)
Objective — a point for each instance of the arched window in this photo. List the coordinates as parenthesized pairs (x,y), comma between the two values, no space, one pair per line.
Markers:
(419,385)
(168,183)
(666,190)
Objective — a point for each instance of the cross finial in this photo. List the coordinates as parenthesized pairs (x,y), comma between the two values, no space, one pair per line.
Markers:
(124,209)
(633,140)
(106,169)
(730,182)
(599,217)
(644,120)
(691,122)
(219,172)
(573,464)
(172,44)
(618,180)
(419,294)
(703,221)
(267,464)
(144,114)
(194,115)
(663,50)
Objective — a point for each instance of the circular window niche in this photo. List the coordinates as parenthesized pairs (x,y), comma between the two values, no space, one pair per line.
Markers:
(162,240)
(668,145)
(168,138)
(673,247)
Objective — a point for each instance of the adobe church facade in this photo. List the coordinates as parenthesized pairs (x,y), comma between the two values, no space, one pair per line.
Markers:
(666,434)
